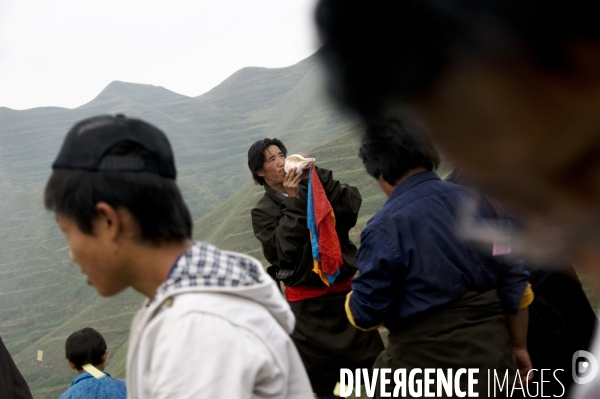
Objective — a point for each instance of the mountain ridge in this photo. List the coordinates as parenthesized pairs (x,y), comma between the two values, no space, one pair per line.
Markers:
(43,296)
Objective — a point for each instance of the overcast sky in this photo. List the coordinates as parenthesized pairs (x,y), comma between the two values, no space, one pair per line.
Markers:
(64,52)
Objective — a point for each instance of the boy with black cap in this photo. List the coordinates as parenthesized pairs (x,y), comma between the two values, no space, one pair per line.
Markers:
(214,324)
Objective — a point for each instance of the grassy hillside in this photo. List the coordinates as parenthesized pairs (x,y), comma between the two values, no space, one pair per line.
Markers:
(43,296)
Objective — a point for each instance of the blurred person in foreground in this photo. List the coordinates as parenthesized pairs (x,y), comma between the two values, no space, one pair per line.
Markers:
(446,303)
(510,89)
(12,383)
(86,353)
(324,337)
(213,325)
(560,316)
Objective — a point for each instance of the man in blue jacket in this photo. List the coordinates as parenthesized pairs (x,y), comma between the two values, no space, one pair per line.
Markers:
(445,303)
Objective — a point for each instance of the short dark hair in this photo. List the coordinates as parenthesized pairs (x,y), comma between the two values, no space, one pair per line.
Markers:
(256,157)
(383,52)
(154,201)
(391,147)
(85,346)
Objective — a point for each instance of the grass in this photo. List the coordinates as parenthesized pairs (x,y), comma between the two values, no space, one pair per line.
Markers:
(43,296)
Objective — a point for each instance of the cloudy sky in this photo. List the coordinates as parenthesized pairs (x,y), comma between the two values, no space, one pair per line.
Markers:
(64,52)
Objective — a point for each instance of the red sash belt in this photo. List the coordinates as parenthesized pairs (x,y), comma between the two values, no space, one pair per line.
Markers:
(300,292)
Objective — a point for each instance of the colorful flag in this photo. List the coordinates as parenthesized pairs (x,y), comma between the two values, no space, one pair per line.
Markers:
(326,250)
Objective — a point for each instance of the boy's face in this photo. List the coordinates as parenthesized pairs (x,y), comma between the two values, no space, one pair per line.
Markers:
(96,257)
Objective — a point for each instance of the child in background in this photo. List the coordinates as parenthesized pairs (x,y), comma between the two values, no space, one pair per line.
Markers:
(85,348)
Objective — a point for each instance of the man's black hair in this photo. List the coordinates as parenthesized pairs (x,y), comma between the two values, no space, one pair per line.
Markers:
(256,157)
(85,346)
(392,147)
(154,201)
(382,52)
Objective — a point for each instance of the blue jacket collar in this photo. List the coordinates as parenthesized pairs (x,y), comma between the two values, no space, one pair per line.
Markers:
(412,181)
(85,376)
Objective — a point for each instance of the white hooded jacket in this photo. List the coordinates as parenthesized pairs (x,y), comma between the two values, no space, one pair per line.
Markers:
(217,328)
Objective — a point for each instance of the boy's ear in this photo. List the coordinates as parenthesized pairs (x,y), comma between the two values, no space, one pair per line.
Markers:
(71,364)
(105,356)
(115,223)
(386,187)
(108,220)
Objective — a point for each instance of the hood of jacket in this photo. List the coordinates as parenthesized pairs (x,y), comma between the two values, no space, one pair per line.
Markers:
(206,268)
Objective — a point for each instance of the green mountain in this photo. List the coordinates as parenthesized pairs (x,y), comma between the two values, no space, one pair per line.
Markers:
(43,296)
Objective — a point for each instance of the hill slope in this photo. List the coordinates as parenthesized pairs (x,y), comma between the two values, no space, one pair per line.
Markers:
(43,296)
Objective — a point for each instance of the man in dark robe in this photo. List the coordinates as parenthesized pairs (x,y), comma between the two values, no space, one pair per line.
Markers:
(12,383)
(325,339)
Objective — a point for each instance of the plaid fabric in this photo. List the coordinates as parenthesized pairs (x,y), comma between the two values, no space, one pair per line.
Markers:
(206,265)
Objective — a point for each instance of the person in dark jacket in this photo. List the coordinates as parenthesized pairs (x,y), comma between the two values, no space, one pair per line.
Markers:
(509,89)
(560,316)
(444,302)
(12,383)
(324,337)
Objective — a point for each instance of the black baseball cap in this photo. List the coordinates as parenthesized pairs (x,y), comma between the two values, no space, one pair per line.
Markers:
(87,143)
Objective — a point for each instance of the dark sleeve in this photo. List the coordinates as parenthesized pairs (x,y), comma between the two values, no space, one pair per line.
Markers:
(283,238)
(512,281)
(511,276)
(378,285)
(11,378)
(344,199)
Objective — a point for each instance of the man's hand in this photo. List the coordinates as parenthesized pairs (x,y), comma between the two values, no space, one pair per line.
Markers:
(291,181)
(523,363)
(517,324)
